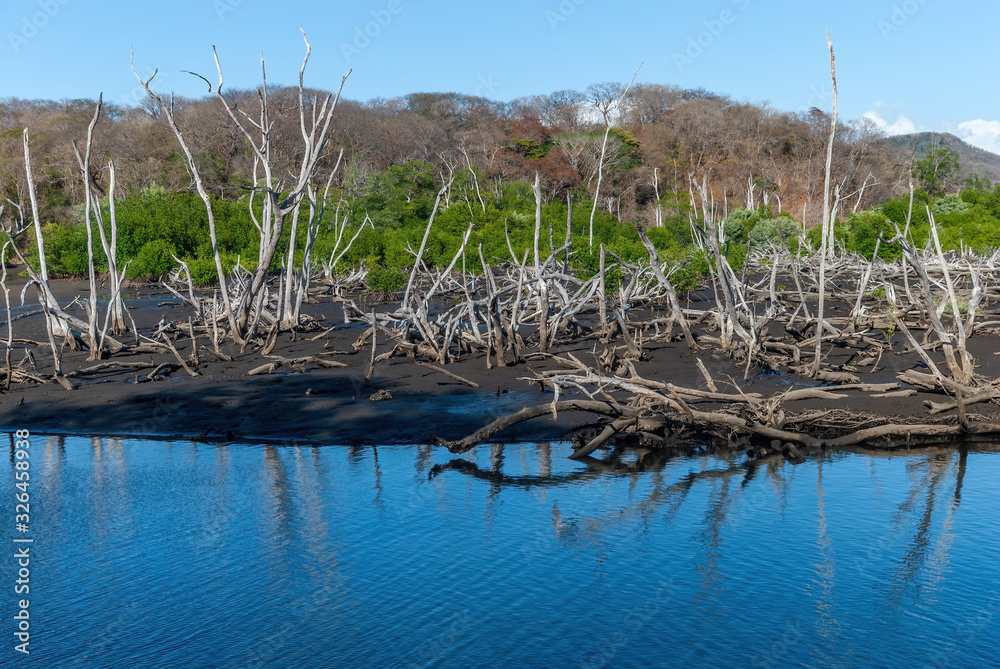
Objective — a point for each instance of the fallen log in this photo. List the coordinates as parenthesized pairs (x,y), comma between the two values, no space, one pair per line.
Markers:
(447,373)
(609,431)
(527,413)
(177,355)
(910,431)
(112,364)
(941,407)
(161,370)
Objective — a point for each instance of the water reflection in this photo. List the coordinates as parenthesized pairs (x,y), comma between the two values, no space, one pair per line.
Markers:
(826,625)
(407,556)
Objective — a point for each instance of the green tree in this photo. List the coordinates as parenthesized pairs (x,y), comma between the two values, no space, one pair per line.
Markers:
(936,169)
(949,204)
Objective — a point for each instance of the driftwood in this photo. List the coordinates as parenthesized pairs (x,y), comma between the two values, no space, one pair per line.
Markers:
(113,364)
(725,428)
(295,364)
(177,355)
(160,371)
(659,413)
(527,413)
(444,371)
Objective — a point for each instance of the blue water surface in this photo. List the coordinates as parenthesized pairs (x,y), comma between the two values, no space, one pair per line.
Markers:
(181,554)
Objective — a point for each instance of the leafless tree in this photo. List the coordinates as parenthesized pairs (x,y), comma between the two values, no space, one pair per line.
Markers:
(282,195)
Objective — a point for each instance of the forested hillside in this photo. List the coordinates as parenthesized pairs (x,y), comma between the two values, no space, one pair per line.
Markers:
(654,154)
(973,160)
(661,136)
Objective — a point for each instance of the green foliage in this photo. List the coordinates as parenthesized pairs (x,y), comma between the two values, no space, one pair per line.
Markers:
(783,231)
(65,250)
(529,148)
(180,220)
(861,233)
(202,268)
(949,204)
(977,182)
(739,223)
(154,259)
(936,168)
(385,279)
(402,196)
(690,272)
(736,255)
(896,210)
(970,221)
(630,148)
(155,225)
(203,272)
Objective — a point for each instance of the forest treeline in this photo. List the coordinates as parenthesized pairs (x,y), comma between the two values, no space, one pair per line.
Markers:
(652,154)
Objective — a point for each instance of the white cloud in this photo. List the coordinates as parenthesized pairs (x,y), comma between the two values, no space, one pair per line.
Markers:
(984,134)
(901,126)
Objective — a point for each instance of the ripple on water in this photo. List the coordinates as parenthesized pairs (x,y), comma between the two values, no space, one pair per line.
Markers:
(173,554)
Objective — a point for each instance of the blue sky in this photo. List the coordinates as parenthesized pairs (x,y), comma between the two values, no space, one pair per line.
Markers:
(907,64)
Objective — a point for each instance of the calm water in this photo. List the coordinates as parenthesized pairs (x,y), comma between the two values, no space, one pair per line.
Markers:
(176,554)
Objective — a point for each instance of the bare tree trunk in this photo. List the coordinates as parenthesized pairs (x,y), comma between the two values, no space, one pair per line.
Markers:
(315,220)
(288,272)
(604,148)
(9,344)
(89,204)
(59,323)
(602,306)
(675,306)
(423,244)
(967,366)
(826,214)
(727,308)
(569,230)
(116,306)
(543,291)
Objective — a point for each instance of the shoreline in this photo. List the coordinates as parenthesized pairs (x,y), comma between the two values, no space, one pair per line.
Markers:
(331,406)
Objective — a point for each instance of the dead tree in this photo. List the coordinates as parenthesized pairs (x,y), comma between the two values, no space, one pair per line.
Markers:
(827,223)
(93,215)
(281,199)
(167,108)
(605,106)
(316,215)
(89,202)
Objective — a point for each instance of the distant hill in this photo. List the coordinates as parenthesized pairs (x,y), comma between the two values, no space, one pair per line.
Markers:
(971,158)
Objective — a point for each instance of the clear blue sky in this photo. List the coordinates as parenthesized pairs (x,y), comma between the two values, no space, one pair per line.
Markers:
(912,64)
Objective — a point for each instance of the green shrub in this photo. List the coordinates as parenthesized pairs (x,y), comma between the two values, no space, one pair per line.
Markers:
(738,224)
(66,250)
(202,271)
(690,273)
(783,230)
(862,231)
(385,279)
(949,204)
(736,254)
(153,260)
